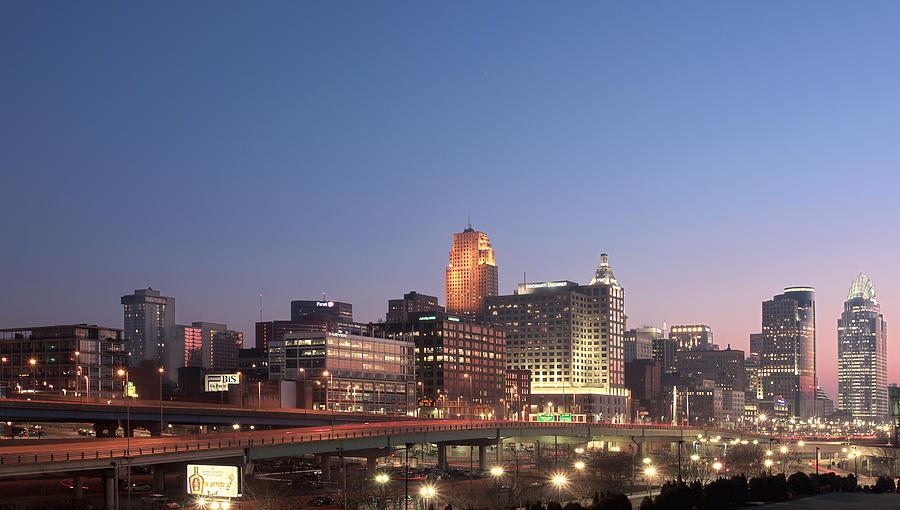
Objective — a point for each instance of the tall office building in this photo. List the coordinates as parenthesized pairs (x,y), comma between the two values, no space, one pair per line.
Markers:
(754,388)
(412,302)
(787,351)
(471,273)
(571,338)
(692,337)
(862,354)
(664,354)
(211,345)
(149,326)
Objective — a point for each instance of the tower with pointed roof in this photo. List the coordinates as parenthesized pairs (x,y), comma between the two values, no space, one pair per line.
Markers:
(862,354)
(471,273)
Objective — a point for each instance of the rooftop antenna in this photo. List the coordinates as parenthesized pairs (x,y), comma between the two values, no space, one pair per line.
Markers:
(469,219)
(260,307)
(323,295)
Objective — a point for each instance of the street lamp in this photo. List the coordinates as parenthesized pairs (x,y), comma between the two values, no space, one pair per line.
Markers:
(649,471)
(124,373)
(427,493)
(381,479)
(33,362)
(769,465)
(326,373)
(559,480)
(160,370)
(717,466)
(579,465)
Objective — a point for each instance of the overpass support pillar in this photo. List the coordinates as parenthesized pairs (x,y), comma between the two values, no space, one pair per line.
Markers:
(371,466)
(499,458)
(326,468)
(442,456)
(159,479)
(110,491)
(482,458)
(78,486)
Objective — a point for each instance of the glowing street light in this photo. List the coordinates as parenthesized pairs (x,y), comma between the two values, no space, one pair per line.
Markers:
(559,480)
(717,466)
(646,460)
(579,465)
(649,471)
(695,457)
(783,449)
(496,471)
(769,465)
(768,453)
(800,443)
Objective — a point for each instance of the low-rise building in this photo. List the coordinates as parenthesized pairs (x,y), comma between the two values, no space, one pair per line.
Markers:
(73,359)
(348,372)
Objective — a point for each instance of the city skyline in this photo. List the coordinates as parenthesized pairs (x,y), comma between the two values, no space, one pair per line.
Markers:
(825,362)
(697,143)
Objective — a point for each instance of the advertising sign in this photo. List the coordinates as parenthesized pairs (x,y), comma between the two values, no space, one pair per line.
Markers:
(220,382)
(204,480)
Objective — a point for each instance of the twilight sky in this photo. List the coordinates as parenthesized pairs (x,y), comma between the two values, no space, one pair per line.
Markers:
(216,150)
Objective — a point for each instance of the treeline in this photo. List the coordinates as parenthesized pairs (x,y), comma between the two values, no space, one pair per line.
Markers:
(727,493)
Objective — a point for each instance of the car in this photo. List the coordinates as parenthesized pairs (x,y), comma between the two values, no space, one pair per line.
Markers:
(321,500)
(139,487)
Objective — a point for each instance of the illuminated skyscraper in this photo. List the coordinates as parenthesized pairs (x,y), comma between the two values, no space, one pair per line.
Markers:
(787,351)
(150,327)
(471,274)
(571,337)
(862,354)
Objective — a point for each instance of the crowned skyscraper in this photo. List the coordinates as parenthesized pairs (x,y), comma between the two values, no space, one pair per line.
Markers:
(471,273)
(862,354)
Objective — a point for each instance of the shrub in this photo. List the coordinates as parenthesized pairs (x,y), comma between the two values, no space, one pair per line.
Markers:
(800,483)
(885,484)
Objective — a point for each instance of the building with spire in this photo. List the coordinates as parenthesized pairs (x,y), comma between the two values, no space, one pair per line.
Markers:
(471,273)
(862,354)
(571,338)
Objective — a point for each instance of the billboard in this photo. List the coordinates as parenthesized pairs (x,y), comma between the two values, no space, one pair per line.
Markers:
(220,382)
(205,480)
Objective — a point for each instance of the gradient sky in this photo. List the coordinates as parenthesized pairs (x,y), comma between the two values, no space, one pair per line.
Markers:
(215,150)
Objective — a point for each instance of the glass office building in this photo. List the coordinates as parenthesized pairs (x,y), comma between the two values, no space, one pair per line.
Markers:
(348,372)
(862,354)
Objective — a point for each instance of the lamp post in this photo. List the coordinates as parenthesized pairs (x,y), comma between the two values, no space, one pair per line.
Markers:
(161,370)
(649,471)
(768,464)
(3,360)
(427,493)
(33,362)
(470,404)
(77,359)
(122,372)
(329,382)
(381,479)
(559,480)
(817,460)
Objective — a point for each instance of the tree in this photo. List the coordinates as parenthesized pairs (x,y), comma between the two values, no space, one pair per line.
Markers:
(884,484)
(800,483)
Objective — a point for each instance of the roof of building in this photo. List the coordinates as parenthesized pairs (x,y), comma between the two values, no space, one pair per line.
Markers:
(861,288)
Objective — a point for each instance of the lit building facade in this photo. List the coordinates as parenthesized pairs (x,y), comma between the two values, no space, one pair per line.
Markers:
(461,363)
(862,354)
(335,310)
(76,359)
(412,302)
(211,345)
(348,372)
(149,331)
(639,343)
(664,354)
(787,357)
(724,367)
(471,273)
(688,337)
(571,338)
